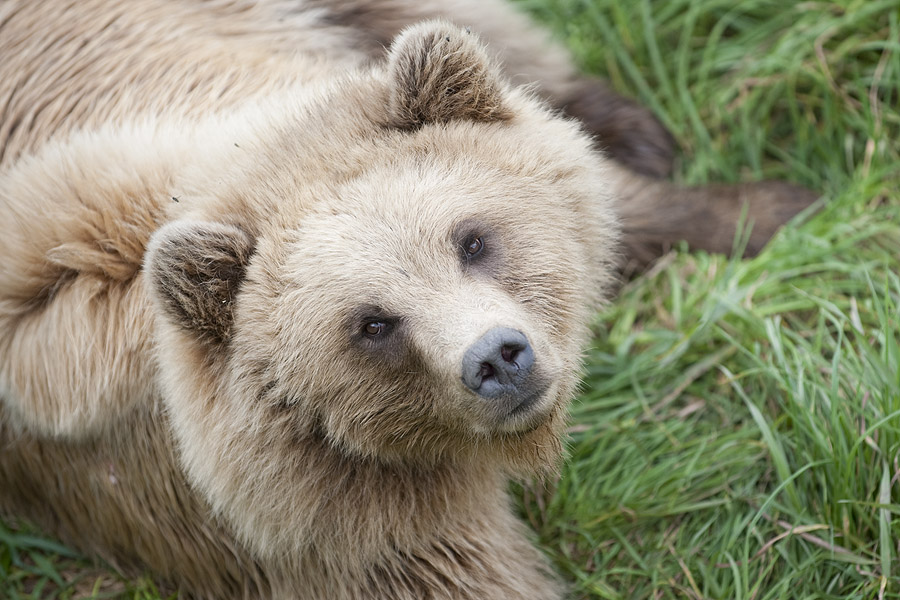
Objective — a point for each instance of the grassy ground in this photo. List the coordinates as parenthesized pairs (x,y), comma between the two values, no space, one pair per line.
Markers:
(739,431)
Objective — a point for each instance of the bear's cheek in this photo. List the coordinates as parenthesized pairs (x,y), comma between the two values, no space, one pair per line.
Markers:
(369,403)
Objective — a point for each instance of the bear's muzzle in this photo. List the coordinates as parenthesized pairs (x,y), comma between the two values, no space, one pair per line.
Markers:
(499,367)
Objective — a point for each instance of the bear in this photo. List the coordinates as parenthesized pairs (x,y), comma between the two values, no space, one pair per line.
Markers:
(291,289)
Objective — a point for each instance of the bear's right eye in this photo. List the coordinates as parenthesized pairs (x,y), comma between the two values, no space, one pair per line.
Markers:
(473,247)
(371,326)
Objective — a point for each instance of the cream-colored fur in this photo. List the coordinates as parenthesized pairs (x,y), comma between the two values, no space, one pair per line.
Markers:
(186,235)
(201,206)
(151,66)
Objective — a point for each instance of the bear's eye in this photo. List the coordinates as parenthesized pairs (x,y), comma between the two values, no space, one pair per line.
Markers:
(375,328)
(473,246)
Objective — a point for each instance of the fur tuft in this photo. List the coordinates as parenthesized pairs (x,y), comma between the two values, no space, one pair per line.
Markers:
(195,272)
(442,73)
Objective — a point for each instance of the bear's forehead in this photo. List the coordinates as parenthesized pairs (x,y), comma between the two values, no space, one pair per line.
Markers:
(425,190)
(403,216)
(422,204)
(372,245)
(376,242)
(342,264)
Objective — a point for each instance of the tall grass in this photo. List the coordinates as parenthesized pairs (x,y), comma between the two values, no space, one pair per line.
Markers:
(738,434)
(739,431)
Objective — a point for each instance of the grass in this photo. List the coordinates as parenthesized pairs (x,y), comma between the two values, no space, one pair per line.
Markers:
(738,435)
(739,431)
(32,566)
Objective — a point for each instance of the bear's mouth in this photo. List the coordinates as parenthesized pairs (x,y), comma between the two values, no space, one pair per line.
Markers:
(527,403)
(527,412)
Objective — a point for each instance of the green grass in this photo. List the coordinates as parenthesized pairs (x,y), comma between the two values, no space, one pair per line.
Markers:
(739,431)
(738,435)
(32,566)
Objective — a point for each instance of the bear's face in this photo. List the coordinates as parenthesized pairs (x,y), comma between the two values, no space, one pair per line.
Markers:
(422,308)
(417,290)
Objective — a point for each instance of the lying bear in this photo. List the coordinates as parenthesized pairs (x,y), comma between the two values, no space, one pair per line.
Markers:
(282,310)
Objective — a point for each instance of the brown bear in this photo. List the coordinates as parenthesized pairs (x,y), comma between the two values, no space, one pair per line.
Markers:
(282,311)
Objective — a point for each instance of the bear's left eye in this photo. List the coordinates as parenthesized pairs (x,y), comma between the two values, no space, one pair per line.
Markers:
(473,246)
(375,328)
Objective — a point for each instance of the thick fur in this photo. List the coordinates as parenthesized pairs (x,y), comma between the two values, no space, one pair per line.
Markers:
(202,205)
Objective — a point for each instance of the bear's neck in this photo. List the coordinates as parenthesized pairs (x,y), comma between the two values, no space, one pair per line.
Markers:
(402,530)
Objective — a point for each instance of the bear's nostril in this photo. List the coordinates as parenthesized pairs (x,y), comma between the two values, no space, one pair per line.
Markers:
(509,352)
(487,370)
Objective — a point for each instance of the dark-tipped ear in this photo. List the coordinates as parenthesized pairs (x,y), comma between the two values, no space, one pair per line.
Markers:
(194,271)
(439,73)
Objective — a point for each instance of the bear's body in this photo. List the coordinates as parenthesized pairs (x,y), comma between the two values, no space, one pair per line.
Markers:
(279,318)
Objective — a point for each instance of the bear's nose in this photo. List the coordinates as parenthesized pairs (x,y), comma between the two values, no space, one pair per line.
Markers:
(498,364)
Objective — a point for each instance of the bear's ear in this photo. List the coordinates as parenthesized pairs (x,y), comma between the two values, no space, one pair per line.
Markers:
(439,73)
(194,271)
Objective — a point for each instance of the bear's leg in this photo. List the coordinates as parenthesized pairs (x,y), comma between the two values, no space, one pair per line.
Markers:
(75,325)
(71,361)
(627,131)
(657,214)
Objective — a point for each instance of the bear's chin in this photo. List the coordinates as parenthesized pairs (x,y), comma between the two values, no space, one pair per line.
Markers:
(529,414)
(536,451)
(525,443)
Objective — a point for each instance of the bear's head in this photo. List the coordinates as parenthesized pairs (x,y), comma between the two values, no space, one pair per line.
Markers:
(398,267)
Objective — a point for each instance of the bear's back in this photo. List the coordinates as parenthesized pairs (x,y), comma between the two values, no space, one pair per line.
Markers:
(122,61)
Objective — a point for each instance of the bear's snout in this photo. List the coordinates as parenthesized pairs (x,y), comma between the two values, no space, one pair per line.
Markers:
(498,366)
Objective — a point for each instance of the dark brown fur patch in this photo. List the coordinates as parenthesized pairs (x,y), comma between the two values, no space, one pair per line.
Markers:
(197,272)
(440,73)
(629,132)
(706,217)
